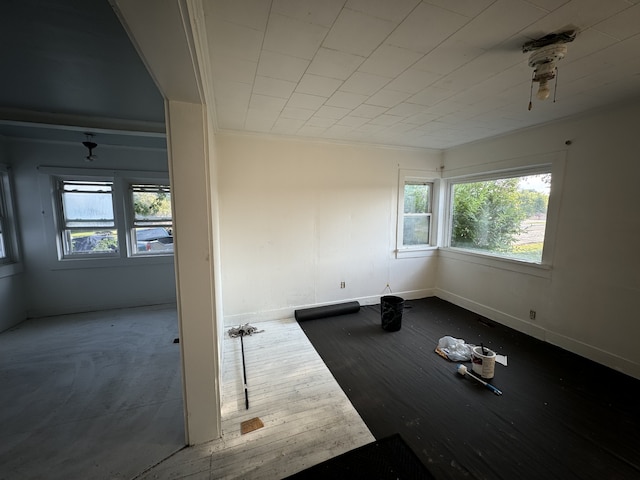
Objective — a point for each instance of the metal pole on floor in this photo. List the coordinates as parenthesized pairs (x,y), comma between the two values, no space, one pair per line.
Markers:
(244,371)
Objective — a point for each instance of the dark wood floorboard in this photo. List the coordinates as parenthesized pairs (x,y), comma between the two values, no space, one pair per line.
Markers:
(561,416)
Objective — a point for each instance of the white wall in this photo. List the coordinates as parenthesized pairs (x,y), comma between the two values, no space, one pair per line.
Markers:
(52,291)
(590,301)
(299,217)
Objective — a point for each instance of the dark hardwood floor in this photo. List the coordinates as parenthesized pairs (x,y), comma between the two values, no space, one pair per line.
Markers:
(561,416)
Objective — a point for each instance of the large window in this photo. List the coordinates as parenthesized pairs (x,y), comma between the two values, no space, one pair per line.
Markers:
(112,217)
(502,216)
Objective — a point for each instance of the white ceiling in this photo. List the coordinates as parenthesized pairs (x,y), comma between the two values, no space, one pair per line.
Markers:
(432,74)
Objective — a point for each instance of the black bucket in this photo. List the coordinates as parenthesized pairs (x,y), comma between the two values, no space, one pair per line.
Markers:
(391,308)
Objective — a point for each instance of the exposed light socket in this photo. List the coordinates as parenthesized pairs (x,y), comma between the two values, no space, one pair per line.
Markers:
(342,285)
(532,314)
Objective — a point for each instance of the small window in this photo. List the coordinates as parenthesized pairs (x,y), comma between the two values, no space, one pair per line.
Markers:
(501,216)
(416,222)
(9,248)
(152,227)
(416,227)
(5,217)
(88,224)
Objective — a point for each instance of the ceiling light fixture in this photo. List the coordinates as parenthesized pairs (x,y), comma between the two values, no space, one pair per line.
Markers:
(546,53)
(90,146)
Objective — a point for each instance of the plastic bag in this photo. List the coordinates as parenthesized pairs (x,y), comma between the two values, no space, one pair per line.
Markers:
(455,349)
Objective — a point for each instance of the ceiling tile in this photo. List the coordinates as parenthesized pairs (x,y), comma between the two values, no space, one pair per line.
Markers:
(501,20)
(387,98)
(406,109)
(233,94)
(232,40)
(259,120)
(273,87)
(287,126)
(586,43)
(420,118)
(334,63)
(622,25)
(297,113)
(285,67)
(394,11)
(280,31)
(248,13)
(577,13)
(369,129)
(385,119)
(357,33)
(302,100)
(368,111)
(389,61)
(308,11)
(324,122)
(450,55)
(468,8)
(426,27)
(233,69)
(364,83)
(338,131)
(413,80)
(258,125)
(266,103)
(400,127)
(311,131)
(430,96)
(335,113)
(346,99)
(549,5)
(352,121)
(317,85)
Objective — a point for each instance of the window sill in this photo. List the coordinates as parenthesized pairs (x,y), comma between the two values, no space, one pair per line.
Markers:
(10,269)
(416,252)
(537,270)
(106,262)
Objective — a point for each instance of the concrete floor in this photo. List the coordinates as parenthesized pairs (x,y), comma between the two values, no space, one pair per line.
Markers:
(95,395)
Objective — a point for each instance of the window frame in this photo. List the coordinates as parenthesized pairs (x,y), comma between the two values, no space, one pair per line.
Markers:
(552,163)
(417,177)
(10,263)
(132,224)
(121,179)
(61,220)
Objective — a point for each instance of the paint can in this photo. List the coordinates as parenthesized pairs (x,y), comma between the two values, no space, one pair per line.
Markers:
(483,363)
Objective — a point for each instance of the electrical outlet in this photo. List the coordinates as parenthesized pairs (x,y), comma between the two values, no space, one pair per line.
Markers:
(342,285)
(532,314)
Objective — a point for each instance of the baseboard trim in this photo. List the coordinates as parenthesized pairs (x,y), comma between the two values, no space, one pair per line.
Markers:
(593,353)
(504,318)
(288,312)
(574,346)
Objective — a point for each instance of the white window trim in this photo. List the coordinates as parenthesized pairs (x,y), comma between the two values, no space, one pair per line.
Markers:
(121,178)
(11,265)
(553,162)
(402,251)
